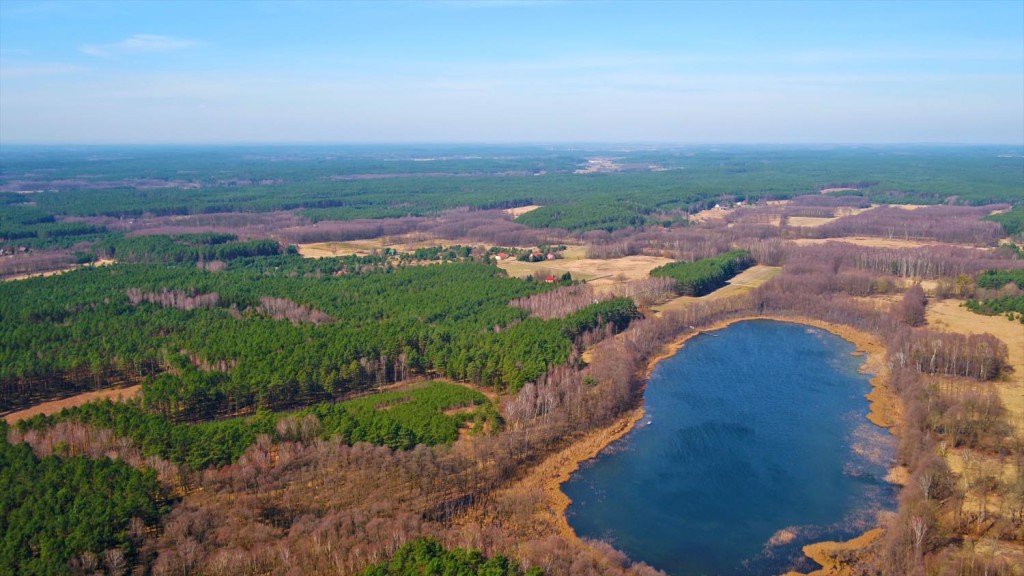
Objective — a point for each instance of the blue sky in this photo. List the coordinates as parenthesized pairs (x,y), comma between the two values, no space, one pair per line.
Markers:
(475,71)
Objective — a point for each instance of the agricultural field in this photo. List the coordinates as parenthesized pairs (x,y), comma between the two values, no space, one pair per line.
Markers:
(598,273)
(869,241)
(333,249)
(808,221)
(404,244)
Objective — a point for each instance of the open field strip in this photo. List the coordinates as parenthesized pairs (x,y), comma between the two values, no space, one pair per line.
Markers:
(55,406)
(743,282)
(808,221)
(406,243)
(519,211)
(599,273)
(332,249)
(101,262)
(871,241)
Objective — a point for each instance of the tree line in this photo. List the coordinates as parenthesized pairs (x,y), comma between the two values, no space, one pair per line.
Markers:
(1012,222)
(399,419)
(704,276)
(63,514)
(182,248)
(389,323)
(426,557)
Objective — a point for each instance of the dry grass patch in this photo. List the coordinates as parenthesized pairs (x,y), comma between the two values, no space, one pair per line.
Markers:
(830,555)
(542,483)
(951,316)
(709,215)
(406,243)
(100,262)
(814,221)
(574,253)
(55,406)
(412,242)
(807,221)
(869,241)
(881,302)
(332,249)
(975,465)
(756,275)
(599,273)
(518,269)
(675,305)
(39,274)
(519,211)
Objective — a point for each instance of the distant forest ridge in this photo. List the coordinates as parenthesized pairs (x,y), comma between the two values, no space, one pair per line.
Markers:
(349,182)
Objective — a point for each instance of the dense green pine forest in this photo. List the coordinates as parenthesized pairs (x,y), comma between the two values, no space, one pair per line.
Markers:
(277,331)
(53,509)
(707,275)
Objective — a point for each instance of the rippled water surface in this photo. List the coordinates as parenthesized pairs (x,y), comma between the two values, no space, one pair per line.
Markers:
(755,442)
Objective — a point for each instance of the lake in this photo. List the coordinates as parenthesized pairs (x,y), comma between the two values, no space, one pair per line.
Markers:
(755,442)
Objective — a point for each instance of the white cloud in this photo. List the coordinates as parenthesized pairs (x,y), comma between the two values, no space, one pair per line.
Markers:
(138,43)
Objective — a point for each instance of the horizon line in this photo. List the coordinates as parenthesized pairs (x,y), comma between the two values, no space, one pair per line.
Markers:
(524,143)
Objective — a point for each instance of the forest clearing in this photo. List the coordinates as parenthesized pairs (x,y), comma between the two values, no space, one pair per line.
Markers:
(745,281)
(402,244)
(100,262)
(598,273)
(520,210)
(333,249)
(55,406)
(868,241)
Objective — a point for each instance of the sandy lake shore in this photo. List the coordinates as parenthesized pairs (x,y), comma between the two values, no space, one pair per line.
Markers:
(555,470)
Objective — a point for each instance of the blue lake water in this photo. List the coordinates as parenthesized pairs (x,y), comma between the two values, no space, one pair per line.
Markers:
(748,431)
